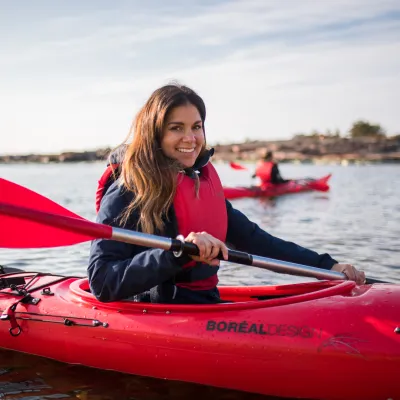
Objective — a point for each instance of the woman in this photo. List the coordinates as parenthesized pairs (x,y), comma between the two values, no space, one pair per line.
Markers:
(167,186)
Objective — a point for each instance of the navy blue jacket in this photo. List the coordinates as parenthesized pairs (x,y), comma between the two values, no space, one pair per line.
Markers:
(119,270)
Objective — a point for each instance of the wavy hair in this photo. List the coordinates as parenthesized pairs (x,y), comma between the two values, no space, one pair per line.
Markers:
(146,171)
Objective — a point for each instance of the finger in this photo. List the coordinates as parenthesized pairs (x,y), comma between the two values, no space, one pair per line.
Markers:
(208,248)
(353,273)
(215,250)
(225,251)
(361,278)
(349,272)
(190,237)
(212,245)
(201,246)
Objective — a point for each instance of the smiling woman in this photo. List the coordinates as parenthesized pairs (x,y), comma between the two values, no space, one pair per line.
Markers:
(168,186)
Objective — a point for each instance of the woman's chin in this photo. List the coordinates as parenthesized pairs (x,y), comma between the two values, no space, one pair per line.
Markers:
(187,162)
(187,165)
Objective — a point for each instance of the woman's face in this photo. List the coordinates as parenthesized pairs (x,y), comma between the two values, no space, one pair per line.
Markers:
(183,135)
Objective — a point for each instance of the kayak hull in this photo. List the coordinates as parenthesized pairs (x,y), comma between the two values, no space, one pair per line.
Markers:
(273,190)
(319,340)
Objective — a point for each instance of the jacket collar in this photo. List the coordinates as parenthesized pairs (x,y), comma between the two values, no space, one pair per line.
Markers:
(199,164)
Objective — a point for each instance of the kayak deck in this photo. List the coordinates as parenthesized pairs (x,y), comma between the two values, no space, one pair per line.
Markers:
(282,340)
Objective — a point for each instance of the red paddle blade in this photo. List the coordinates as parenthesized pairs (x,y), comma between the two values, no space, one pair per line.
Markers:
(237,166)
(321,184)
(30,220)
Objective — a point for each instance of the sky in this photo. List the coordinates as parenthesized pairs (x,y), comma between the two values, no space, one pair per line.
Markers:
(74,73)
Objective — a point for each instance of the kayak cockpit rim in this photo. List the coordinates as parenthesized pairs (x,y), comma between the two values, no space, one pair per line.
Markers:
(79,291)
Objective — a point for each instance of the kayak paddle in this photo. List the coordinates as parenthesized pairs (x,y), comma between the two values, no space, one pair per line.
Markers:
(47,224)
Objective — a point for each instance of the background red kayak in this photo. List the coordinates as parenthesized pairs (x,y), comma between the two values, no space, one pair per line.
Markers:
(272,190)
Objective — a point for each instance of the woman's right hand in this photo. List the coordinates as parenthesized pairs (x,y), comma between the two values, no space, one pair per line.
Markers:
(209,247)
(352,273)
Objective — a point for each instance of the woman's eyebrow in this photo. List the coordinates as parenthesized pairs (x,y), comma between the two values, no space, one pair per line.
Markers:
(181,123)
(175,123)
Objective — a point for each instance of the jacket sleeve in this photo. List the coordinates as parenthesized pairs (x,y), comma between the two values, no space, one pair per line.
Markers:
(120,270)
(247,236)
(276,175)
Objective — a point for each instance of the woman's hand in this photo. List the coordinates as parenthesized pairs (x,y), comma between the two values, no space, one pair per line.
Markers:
(209,247)
(351,272)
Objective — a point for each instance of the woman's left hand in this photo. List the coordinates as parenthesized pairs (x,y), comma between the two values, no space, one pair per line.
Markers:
(352,273)
(209,247)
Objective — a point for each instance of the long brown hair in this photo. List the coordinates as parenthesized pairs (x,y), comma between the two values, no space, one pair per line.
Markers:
(146,171)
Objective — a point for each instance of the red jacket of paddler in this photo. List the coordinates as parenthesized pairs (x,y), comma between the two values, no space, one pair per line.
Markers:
(264,171)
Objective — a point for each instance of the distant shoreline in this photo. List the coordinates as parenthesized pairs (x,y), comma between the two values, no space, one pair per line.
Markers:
(301,149)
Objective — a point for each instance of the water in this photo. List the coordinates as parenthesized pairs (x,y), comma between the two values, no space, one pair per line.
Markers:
(26,377)
(357,221)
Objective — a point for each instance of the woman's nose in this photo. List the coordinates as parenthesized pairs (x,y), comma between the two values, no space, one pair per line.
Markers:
(189,136)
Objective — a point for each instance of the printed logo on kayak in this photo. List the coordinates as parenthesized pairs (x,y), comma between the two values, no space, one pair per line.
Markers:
(305,332)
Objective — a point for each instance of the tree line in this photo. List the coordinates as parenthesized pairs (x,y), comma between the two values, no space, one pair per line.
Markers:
(360,128)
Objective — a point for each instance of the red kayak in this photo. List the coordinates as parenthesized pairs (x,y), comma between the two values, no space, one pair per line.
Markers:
(272,190)
(318,340)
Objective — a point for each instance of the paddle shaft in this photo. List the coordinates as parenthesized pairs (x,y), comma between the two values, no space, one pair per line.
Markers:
(239,257)
(101,231)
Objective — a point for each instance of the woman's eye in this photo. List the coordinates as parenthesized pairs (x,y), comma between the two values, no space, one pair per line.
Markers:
(197,127)
(176,128)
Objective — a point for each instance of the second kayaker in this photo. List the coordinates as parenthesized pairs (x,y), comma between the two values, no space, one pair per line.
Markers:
(267,170)
(165,184)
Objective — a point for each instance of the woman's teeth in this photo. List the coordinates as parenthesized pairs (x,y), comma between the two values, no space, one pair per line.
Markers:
(186,150)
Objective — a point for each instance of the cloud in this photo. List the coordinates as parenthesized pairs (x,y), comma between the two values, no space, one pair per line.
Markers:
(266,69)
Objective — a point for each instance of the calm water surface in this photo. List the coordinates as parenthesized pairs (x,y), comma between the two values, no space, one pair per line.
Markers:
(357,221)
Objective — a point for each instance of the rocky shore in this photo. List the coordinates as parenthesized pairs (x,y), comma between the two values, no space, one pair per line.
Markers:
(316,149)
(301,148)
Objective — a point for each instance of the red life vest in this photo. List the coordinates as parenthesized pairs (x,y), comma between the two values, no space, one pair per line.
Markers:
(205,212)
(104,182)
(264,171)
